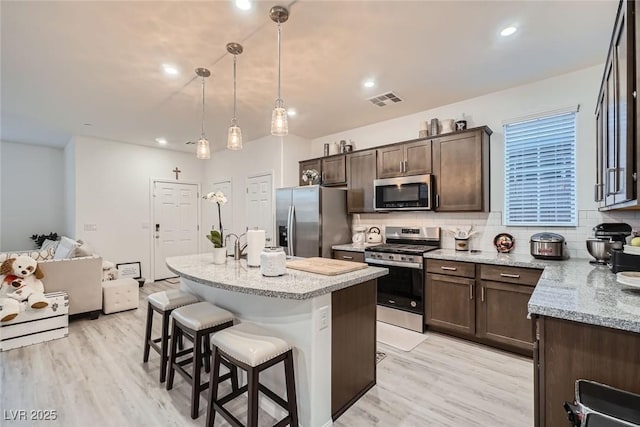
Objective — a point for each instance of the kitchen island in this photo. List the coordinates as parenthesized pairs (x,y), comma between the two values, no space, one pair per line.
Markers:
(330,321)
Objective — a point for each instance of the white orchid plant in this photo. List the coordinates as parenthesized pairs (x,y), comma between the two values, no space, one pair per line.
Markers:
(310,175)
(215,236)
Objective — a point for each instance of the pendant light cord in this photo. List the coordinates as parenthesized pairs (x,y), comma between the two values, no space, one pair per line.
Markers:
(235,120)
(279,100)
(202,126)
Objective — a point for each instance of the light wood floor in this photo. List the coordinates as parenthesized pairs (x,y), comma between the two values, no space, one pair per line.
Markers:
(96,377)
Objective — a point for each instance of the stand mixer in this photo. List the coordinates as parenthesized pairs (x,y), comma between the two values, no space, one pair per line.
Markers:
(609,237)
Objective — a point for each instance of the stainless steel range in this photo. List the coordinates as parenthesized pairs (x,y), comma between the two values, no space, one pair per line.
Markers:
(401,292)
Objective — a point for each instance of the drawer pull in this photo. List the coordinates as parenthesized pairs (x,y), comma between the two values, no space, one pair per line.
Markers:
(448,268)
(513,276)
(346,257)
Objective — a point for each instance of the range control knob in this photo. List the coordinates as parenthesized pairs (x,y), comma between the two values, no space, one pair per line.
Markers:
(414,304)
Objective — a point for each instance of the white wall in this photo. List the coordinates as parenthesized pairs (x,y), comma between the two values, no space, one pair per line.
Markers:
(70,188)
(32,193)
(579,87)
(279,155)
(112,191)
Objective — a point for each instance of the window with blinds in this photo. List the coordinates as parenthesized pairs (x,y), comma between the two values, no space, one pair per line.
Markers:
(540,171)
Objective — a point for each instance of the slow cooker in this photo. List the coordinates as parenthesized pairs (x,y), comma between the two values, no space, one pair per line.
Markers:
(548,246)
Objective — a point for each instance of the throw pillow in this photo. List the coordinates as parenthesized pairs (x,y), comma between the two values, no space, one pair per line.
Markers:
(66,248)
(49,244)
(41,255)
(83,249)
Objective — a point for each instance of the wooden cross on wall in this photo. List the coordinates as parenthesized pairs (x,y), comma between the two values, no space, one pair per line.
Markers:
(176,171)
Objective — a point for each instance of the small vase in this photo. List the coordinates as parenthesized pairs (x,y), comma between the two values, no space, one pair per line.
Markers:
(219,255)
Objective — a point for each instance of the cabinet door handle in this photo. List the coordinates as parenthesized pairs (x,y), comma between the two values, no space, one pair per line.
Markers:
(401,164)
(405,166)
(346,257)
(471,291)
(513,276)
(323,176)
(448,268)
(437,200)
(597,193)
(482,293)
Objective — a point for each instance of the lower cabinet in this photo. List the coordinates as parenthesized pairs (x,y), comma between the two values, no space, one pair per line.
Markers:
(502,314)
(450,304)
(492,311)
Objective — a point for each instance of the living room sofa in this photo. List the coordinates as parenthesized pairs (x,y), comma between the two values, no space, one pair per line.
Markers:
(80,278)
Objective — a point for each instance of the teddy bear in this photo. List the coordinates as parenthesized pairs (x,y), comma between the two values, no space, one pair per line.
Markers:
(20,282)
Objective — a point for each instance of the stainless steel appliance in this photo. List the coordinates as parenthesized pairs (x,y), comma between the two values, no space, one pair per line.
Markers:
(409,193)
(608,237)
(310,219)
(548,246)
(401,292)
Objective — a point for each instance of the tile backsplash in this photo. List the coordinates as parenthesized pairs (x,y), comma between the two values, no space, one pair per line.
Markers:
(489,225)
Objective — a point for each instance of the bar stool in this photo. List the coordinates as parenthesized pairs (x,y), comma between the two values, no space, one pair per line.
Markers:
(163,303)
(197,321)
(253,349)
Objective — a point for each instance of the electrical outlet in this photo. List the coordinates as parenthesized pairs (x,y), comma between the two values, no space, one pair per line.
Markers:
(323,318)
(90,227)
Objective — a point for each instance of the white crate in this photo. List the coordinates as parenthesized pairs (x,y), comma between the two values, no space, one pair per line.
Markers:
(36,326)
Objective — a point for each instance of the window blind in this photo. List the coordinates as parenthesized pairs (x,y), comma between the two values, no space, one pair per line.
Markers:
(540,171)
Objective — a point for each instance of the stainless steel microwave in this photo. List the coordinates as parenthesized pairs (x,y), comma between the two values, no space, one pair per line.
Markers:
(407,193)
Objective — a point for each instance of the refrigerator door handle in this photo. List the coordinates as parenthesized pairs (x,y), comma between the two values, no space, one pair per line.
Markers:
(292,231)
(289,230)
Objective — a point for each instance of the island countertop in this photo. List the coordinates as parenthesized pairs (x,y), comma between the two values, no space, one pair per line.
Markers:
(238,277)
(570,289)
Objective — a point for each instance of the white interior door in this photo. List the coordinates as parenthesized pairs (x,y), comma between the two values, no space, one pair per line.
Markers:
(175,214)
(260,205)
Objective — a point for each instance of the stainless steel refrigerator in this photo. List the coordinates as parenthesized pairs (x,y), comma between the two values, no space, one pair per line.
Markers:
(310,219)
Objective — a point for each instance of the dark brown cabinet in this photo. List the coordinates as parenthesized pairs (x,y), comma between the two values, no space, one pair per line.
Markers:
(309,164)
(616,145)
(348,255)
(461,171)
(334,170)
(361,172)
(410,158)
(484,303)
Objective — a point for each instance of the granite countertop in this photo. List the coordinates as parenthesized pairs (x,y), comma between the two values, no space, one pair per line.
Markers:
(352,247)
(570,289)
(236,276)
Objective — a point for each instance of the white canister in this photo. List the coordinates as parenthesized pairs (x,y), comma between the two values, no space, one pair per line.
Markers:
(273,262)
(334,148)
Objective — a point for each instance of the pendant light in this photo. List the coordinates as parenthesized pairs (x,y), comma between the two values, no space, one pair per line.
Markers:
(203,151)
(279,125)
(234,140)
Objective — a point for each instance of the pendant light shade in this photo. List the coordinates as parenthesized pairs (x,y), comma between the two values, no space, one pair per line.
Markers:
(279,123)
(203,151)
(234,139)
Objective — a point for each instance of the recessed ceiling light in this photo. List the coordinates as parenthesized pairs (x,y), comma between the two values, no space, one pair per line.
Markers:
(508,31)
(88,124)
(369,83)
(170,69)
(243,4)
(291,112)
(161,141)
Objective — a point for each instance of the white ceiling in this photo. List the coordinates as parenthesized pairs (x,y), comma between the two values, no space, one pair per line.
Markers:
(67,63)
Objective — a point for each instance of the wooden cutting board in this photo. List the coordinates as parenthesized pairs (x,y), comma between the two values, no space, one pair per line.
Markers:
(325,266)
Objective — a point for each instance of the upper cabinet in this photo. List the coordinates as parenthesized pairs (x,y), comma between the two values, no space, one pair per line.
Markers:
(334,170)
(361,172)
(461,171)
(616,145)
(409,158)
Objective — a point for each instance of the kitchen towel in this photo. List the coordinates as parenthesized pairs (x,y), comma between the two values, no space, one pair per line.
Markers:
(255,244)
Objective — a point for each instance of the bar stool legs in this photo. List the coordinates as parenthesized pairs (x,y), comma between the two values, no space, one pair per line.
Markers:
(252,388)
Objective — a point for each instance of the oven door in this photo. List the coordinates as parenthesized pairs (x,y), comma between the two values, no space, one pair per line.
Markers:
(401,289)
(406,193)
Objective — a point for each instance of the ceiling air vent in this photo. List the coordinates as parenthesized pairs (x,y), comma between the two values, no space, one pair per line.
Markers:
(385,99)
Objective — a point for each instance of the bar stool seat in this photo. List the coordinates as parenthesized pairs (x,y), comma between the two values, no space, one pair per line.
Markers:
(196,322)
(253,349)
(163,303)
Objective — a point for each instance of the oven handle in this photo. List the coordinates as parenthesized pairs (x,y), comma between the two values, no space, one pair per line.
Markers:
(375,262)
